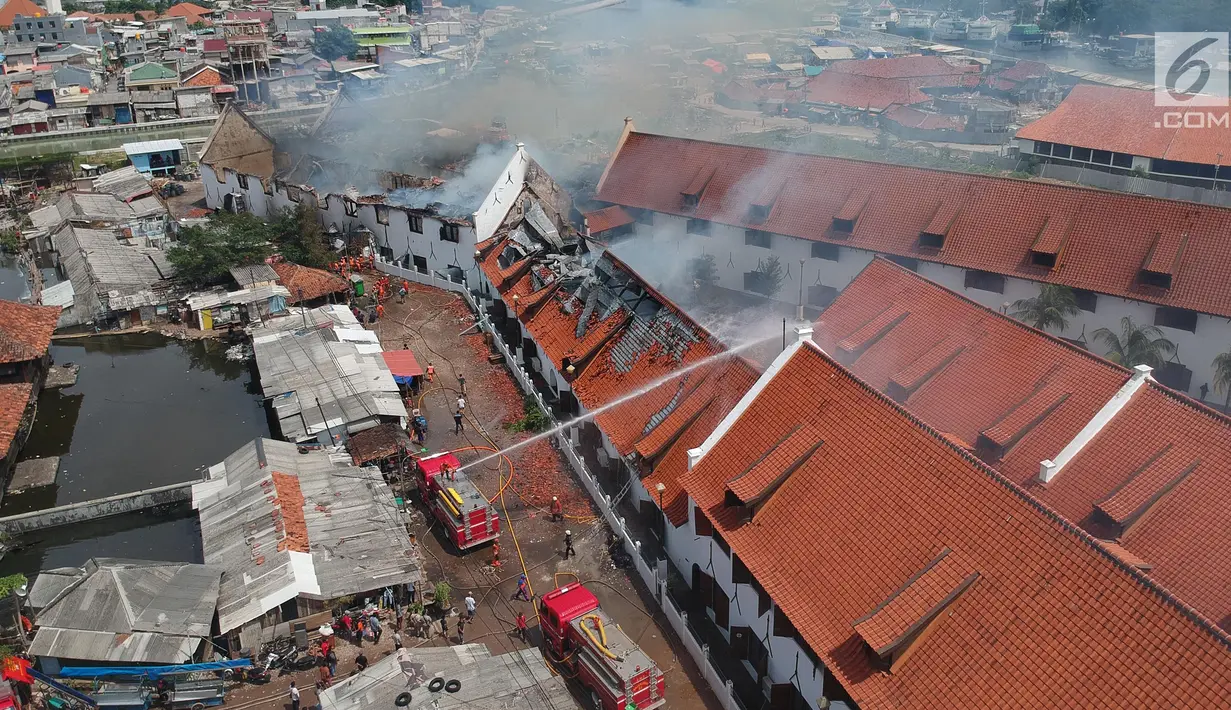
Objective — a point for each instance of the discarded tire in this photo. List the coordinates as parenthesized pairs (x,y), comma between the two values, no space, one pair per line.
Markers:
(453,686)
(402,700)
(436,684)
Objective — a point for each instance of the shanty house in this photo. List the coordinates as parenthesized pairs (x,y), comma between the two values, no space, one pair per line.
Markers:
(293,531)
(160,157)
(123,612)
(323,376)
(112,281)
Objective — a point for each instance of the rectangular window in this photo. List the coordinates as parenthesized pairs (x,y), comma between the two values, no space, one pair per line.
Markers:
(763,600)
(382,214)
(845,226)
(984,281)
(931,241)
(1102,157)
(758,656)
(55,35)
(1175,376)
(740,637)
(756,238)
(1042,148)
(722,607)
(1178,318)
(739,571)
(1086,300)
(722,544)
(1062,151)
(643,216)
(821,296)
(701,524)
(351,207)
(782,625)
(754,281)
(416,223)
(825,250)
(1041,258)
(698,226)
(243,181)
(904,261)
(1082,154)
(1122,160)
(294,194)
(450,233)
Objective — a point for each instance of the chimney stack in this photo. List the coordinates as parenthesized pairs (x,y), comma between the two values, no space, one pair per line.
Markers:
(54,7)
(694,455)
(803,334)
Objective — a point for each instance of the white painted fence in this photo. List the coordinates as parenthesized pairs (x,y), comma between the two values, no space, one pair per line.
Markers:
(429,279)
(652,578)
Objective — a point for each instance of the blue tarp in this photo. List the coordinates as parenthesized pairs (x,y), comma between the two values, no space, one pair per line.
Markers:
(148,671)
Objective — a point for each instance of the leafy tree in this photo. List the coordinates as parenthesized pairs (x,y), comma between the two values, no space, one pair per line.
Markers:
(1135,345)
(770,279)
(333,44)
(299,237)
(203,255)
(703,270)
(1222,377)
(1050,309)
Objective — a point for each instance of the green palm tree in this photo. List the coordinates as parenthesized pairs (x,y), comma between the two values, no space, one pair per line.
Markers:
(1053,307)
(1222,377)
(1135,344)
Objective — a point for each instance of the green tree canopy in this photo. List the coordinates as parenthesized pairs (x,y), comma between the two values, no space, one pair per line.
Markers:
(1050,309)
(1135,344)
(299,237)
(334,43)
(203,255)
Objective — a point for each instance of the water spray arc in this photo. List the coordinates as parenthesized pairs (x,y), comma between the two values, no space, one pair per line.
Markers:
(622,399)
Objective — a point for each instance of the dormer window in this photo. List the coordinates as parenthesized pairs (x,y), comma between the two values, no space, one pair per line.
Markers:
(692,193)
(1162,262)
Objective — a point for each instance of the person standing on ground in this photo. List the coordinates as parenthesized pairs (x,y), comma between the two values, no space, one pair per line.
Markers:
(458,427)
(461,382)
(377,629)
(471,604)
(461,403)
(397,641)
(294,696)
(331,660)
(568,545)
(380,311)
(523,589)
(361,662)
(522,631)
(461,629)
(431,371)
(557,510)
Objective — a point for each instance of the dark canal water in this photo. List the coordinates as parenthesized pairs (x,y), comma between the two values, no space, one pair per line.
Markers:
(146,411)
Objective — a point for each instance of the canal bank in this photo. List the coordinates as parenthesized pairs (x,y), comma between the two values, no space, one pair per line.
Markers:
(146,411)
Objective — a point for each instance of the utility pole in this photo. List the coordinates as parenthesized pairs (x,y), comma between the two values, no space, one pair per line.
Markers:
(325,419)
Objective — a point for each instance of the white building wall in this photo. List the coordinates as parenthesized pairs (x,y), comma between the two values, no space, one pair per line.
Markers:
(659,251)
(397,236)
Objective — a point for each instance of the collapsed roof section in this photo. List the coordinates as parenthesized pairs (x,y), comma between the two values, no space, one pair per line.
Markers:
(609,334)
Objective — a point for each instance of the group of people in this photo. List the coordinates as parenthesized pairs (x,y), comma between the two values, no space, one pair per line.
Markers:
(352,264)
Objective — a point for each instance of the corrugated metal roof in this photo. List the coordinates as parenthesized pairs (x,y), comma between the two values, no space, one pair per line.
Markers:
(60,294)
(330,368)
(356,540)
(124,610)
(247,276)
(143,147)
(517,680)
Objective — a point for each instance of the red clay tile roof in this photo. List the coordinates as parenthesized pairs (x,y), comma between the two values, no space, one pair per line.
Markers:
(205,76)
(290,521)
(1025,70)
(13,8)
(313,283)
(863,92)
(13,402)
(998,220)
(1053,620)
(607,218)
(1018,396)
(1126,121)
(214,45)
(185,9)
(921,66)
(618,354)
(25,331)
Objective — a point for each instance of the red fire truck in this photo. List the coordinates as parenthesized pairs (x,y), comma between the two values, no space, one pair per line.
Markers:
(580,636)
(456,502)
